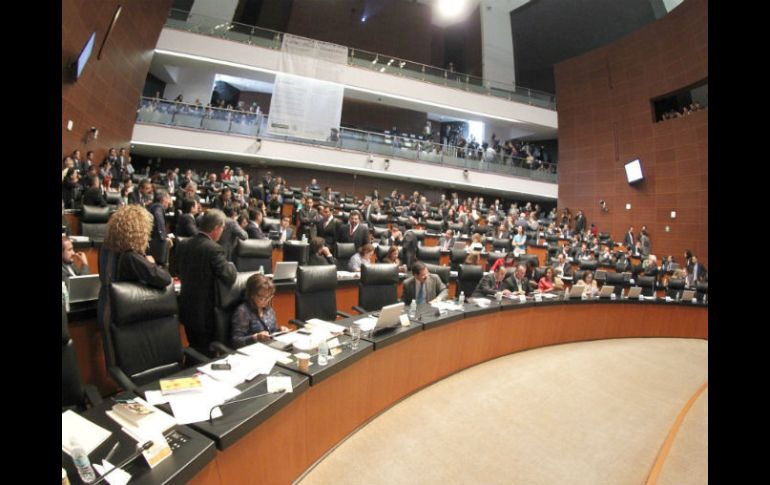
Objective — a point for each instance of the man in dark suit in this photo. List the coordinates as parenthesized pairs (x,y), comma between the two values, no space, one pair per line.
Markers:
(696,272)
(308,219)
(580,222)
(327,226)
(519,282)
(159,240)
(446,241)
(68,258)
(628,239)
(201,264)
(286,232)
(423,286)
(185,223)
(142,195)
(254,226)
(355,231)
(562,267)
(94,196)
(234,231)
(493,282)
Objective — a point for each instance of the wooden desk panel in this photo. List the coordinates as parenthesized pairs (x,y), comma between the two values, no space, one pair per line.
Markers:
(92,255)
(209,475)
(430,241)
(74,222)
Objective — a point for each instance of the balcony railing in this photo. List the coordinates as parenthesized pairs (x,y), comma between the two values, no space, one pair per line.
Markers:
(403,146)
(271,39)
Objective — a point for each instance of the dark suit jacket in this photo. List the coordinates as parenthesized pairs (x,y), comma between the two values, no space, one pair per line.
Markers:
(359,237)
(201,263)
(230,236)
(254,231)
(158,235)
(317,260)
(627,241)
(329,233)
(434,287)
(488,286)
(514,287)
(65,274)
(442,240)
(94,196)
(185,226)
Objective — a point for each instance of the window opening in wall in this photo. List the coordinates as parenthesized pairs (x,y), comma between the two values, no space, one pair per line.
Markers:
(682,102)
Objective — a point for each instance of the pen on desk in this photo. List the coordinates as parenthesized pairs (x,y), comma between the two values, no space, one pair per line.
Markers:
(112,451)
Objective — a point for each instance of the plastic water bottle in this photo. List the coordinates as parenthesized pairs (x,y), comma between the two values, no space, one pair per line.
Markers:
(461,299)
(304,238)
(85,470)
(66,296)
(323,353)
(413,309)
(261,269)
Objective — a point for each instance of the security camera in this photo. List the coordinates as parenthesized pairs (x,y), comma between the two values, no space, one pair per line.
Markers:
(387,163)
(603,205)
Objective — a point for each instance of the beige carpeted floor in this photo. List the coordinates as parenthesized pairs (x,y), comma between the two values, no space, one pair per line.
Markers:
(687,462)
(589,413)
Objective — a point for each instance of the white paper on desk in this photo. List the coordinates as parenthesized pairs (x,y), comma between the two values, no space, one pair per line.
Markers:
(288,338)
(276,383)
(446,305)
(79,238)
(157,422)
(366,323)
(118,477)
(242,368)
(261,350)
(315,323)
(194,407)
(482,302)
(155,397)
(549,295)
(88,434)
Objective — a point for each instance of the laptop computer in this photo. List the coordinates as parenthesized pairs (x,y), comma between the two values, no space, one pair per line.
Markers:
(84,288)
(576,291)
(389,317)
(285,271)
(606,291)
(688,295)
(634,292)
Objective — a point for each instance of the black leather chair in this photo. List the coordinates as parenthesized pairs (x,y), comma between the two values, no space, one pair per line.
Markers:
(458,228)
(441,271)
(270,224)
(622,266)
(420,234)
(430,255)
(377,287)
(529,257)
(456,258)
(618,281)
(74,395)
(343,252)
(589,264)
(93,222)
(552,239)
(504,245)
(493,257)
(647,283)
(142,341)
(226,301)
(379,220)
(577,275)
(316,295)
(113,200)
(379,232)
(405,222)
(434,226)
(468,278)
(296,251)
(674,288)
(701,290)
(250,254)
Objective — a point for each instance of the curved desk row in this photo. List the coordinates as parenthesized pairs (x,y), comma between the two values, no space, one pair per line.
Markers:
(359,384)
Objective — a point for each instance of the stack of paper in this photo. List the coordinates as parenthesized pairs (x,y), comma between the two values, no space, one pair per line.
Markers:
(192,407)
(262,351)
(315,323)
(154,423)
(366,323)
(242,368)
(88,434)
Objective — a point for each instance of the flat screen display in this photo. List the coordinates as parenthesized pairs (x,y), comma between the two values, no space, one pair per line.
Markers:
(84,55)
(634,171)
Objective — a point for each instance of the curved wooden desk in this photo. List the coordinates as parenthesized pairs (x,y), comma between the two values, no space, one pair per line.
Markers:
(280,449)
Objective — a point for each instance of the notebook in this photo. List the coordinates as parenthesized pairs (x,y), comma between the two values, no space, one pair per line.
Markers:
(688,295)
(84,288)
(285,270)
(606,291)
(634,292)
(88,434)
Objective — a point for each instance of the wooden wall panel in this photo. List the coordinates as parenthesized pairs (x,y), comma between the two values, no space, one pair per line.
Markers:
(107,94)
(606,119)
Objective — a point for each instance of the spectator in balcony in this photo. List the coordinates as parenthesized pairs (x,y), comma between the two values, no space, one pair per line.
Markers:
(226,174)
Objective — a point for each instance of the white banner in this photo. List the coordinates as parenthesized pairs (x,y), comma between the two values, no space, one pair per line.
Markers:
(302,105)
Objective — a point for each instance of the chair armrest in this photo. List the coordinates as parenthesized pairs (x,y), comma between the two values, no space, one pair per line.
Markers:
(343,314)
(196,356)
(92,395)
(122,379)
(359,309)
(220,348)
(298,323)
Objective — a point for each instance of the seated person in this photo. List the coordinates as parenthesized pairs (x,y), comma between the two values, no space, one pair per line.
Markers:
(363,256)
(474,258)
(519,281)
(423,286)
(493,282)
(606,257)
(547,283)
(476,244)
(254,319)
(447,240)
(509,261)
(392,258)
(319,253)
(588,281)
(562,267)
(72,263)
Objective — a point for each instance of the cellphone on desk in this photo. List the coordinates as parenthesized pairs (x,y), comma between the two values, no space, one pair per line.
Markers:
(303,331)
(221,366)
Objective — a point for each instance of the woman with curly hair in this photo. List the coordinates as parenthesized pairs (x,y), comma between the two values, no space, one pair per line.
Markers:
(123,256)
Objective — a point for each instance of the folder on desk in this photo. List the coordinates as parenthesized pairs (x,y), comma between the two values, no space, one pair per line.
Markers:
(88,434)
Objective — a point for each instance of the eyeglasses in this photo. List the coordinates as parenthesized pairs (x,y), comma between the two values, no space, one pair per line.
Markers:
(263,298)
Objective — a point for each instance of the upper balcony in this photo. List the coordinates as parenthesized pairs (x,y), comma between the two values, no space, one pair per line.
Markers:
(199,42)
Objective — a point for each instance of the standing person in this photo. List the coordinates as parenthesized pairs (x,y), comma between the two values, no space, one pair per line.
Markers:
(628,238)
(72,263)
(355,231)
(185,224)
(234,231)
(644,238)
(308,219)
(160,242)
(202,263)
(580,222)
(254,319)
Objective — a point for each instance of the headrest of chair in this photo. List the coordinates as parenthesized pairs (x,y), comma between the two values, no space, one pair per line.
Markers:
(433,252)
(112,198)
(316,278)
(498,242)
(229,296)
(614,278)
(604,235)
(433,224)
(675,283)
(131,302)
(645,280)
(270,223)
(379,218)
(458,255)
(470,272)
(345,250)
(438,270)
(419,233)
(702,286)
(65,331)
(254,248)
(379,274)
(380,231)
(591,264)
(95,214)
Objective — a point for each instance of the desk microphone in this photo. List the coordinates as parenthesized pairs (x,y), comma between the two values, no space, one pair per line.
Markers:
(211,419)
(141,449)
